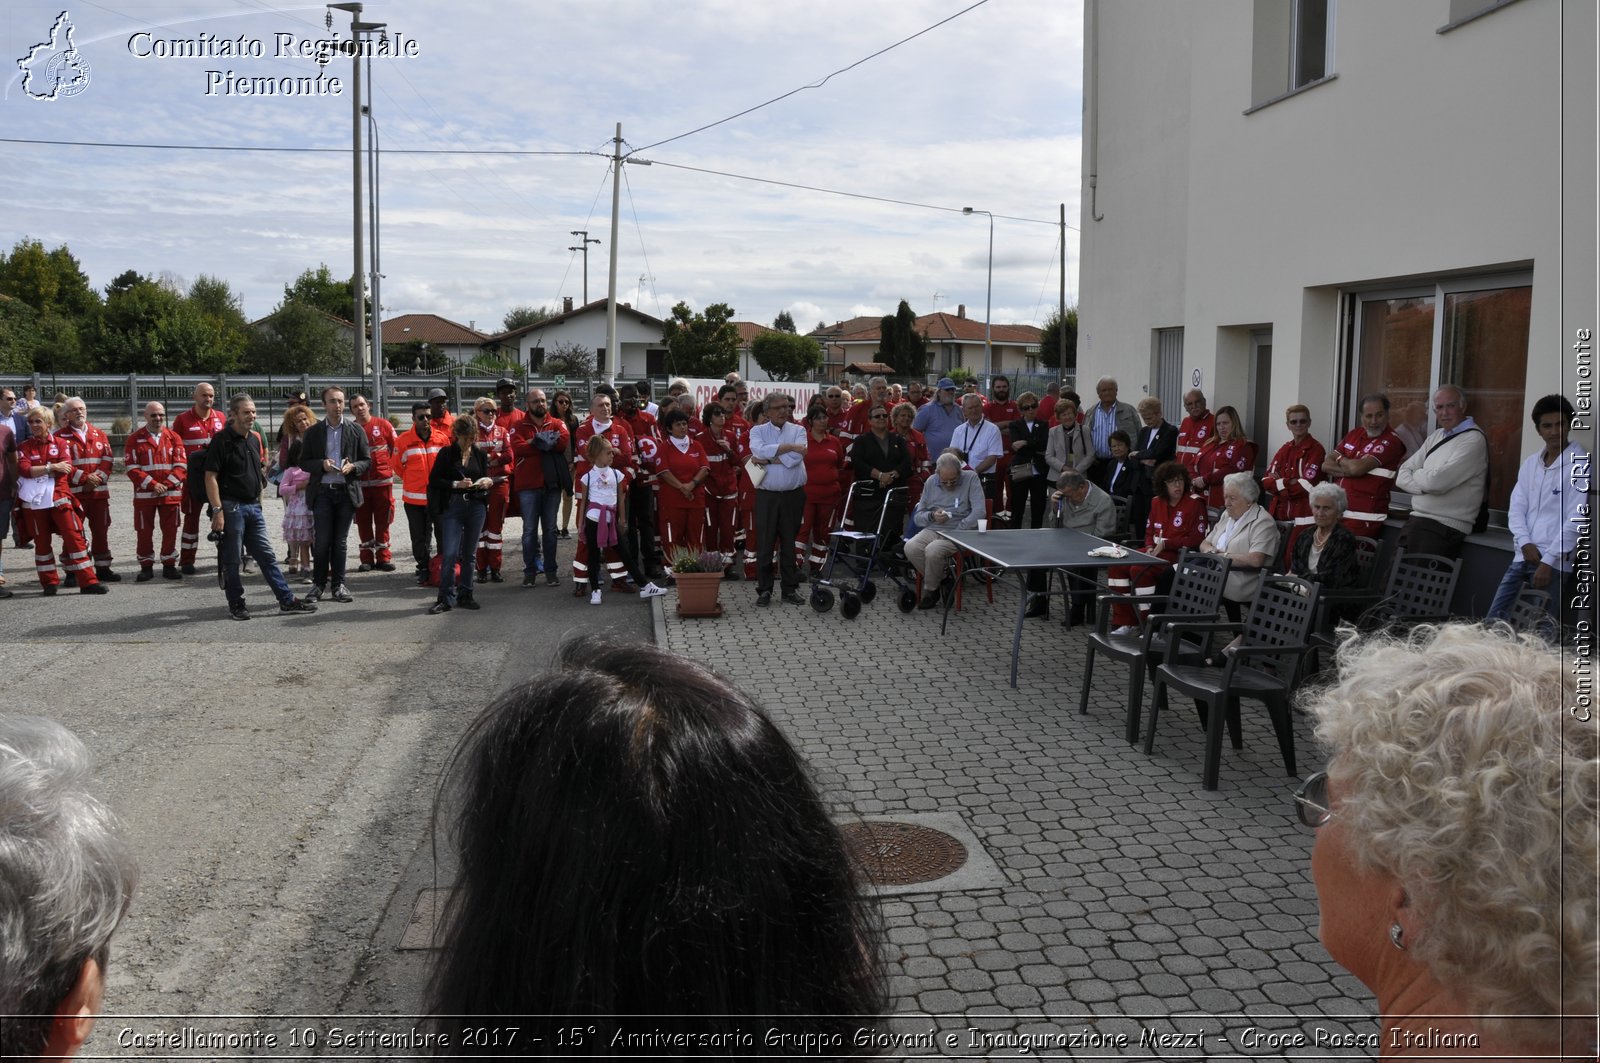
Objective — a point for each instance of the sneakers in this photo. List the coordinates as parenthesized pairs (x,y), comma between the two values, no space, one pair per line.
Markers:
(594,597)
(652,591)
(189,569)
(170,572)
(365,566)
(467,601)
(1126,629)
(146,574)
(793,598)
(384,566)
(530,579)
(552,580)
(440,606)
(315,595)
(296,605)
(239,612)
(94,588)
(764,598)
(340,594)
(495,577)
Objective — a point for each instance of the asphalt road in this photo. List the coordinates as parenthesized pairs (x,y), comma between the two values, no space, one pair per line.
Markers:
(277,777)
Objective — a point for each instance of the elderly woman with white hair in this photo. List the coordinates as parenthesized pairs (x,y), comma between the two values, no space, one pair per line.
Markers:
(1325,552)
(1457,843)
(952,500)
(1247,534)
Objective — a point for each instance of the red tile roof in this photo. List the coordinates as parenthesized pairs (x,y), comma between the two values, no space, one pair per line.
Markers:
(429,328)
(942,328)
(749,330)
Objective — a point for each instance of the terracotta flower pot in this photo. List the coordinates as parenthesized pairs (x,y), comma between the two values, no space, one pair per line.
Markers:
(697,593)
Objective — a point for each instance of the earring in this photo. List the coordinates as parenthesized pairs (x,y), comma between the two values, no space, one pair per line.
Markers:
(1396,936)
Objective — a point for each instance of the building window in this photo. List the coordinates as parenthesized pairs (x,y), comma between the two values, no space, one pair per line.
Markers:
(535,358)
(655,362)
(1292,47)
(600,360)
(1472,332)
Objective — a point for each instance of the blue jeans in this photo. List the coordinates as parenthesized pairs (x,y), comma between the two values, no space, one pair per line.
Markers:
(244,531)
(1517,576)
(331,512)
(459,525)
(538,506)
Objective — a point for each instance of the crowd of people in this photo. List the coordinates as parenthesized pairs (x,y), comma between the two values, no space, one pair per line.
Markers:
(761,486)
(674,869)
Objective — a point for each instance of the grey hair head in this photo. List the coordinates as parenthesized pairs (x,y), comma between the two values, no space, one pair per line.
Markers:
(1071,480)
(1330,492)
(1244,483)
(948,460)
(67,875)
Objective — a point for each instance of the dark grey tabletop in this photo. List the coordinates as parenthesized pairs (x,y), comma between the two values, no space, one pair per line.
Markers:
(1024,548)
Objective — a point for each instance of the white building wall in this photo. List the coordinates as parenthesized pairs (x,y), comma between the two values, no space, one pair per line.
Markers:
(635,337)
(1429,153)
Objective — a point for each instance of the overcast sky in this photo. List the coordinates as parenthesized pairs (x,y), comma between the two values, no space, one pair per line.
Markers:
(982,111)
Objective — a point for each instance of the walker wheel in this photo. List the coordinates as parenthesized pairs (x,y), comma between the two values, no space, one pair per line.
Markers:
(869,591)
(908,600)
(821,599)
(850,607)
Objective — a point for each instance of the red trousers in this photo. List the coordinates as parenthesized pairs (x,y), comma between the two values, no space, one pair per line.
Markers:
(680,528)
(191,529)
(373,518)
(97,515)
(816,522)
(491,544)
(63,521)
(721,512)
(146,515)
(1132,579)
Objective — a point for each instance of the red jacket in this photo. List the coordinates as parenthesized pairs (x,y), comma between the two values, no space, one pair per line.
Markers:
(722,457)
(509,419)
(90,454)
(1295,469)
(1192,434)
(684,467)
(47,451)
(921,464)
(155,464)
(196,432)
(620,437)
(495,445)
(1222,459)
(1368,493)
(527,460)
(385,446)
(1182,526)
(825,465)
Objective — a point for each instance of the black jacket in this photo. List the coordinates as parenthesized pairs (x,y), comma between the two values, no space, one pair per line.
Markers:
(447,469)
(1036,441)
(1157,445)
(353,449)
(868,456)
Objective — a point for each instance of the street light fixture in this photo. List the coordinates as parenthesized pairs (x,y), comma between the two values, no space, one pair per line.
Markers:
(584,240)
(988,299)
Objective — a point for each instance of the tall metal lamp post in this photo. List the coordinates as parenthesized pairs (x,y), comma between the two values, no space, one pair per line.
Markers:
(988,300)
(357,28)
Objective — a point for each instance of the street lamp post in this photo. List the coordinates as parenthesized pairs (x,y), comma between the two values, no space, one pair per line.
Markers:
(380,407)
(584,240)
(357,28)
(988,300)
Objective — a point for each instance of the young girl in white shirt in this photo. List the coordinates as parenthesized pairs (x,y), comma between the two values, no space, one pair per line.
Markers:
(604,521)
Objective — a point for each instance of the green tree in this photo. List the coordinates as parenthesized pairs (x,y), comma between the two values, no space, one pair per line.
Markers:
(568,359)
(299,338)
(48,281)
(703,345)
(318,288)
(523,315)
(784,322)
(785,356)
(214,299)
(900,344)
(53,309)
(1050,341)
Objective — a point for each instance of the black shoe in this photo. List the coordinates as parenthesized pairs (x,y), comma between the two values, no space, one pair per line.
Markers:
(49,590)
(170,572)
(94,588)
(764,598)
(552,580)
(316,595)
(482,575)
(422,577)
(1038,609)
(341,595)
(929,601)
(239,612)
(384,566)
(296,605)
(563,534)
(146,574)
(531,579)
(440,606)
(4,594)
(188,570)
(793,598)
(467,601)
(730,574)
(70,580)
(365,566)
(579,589)
(105,575)
(495,577)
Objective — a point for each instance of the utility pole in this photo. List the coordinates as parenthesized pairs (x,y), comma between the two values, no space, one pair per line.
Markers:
(358,273)
(584,240)
(613,356)
(1061,359)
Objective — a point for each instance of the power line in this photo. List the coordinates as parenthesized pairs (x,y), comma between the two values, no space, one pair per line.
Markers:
(838,192)
(816,84)
(633,207)
(299,150)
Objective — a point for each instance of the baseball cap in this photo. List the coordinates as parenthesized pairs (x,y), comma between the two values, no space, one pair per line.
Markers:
(504,382)
(946,384)
(438,393)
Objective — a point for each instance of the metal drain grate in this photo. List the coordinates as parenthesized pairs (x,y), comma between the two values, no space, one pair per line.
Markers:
(902,854)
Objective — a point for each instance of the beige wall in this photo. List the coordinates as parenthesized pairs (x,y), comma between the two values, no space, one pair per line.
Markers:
(1428,154)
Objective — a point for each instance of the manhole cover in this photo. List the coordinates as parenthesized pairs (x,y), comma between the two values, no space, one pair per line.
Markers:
(899,854)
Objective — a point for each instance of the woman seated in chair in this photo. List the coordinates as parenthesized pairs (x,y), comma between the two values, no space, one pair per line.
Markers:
(1122,475)
(1177,522)
(638,839)
(1326,552)
(1248,535)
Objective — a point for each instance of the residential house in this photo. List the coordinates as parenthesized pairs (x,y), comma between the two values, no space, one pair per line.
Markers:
(953,340)
(445,338)
(1310,200)
(638,337)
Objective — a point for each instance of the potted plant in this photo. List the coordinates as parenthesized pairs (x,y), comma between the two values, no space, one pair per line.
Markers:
(698,576)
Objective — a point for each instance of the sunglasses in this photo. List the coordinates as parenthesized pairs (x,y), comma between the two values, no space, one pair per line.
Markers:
(878,417)
(1035,406)
(1311,800)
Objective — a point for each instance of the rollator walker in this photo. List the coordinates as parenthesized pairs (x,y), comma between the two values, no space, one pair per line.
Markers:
(854,556)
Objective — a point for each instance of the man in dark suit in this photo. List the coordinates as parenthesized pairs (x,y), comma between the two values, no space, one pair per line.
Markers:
(1029,436)
(1156,442)
(335,454)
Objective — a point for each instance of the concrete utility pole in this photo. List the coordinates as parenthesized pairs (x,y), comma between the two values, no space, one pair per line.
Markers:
(584,240)
(613,356)
(1061,359)
(359,271)
(988,302)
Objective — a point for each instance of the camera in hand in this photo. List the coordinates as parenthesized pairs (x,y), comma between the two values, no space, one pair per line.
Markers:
(214,536)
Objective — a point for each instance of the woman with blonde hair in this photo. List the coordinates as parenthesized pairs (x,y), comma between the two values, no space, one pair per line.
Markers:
(1457,842)
(1227,451)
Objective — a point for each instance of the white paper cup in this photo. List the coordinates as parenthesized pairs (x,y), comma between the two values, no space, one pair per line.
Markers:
(983,525)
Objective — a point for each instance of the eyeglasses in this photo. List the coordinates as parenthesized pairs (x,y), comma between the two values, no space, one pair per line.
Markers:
(1025,409)
(877,417)
(1311,801)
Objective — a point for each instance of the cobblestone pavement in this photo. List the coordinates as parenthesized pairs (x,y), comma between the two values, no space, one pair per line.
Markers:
(1137,904)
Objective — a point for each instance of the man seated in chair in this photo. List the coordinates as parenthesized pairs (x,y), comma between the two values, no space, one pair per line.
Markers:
(1079,505)
(952,500)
